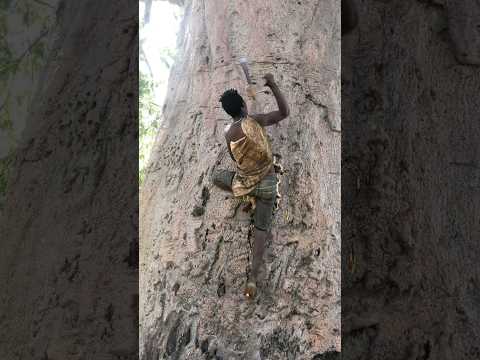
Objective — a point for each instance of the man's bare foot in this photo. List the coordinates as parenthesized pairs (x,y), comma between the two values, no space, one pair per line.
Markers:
(250,290)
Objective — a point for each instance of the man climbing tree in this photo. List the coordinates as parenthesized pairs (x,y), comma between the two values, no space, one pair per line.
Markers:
(249,147)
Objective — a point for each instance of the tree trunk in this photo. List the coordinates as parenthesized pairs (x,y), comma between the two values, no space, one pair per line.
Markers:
(68,263)
(195,243)
(410,182)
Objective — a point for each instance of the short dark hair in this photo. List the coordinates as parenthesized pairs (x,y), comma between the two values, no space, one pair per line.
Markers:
(232,102)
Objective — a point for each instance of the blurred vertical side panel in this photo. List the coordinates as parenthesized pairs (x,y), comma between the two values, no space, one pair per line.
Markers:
(69,207)
(411,181)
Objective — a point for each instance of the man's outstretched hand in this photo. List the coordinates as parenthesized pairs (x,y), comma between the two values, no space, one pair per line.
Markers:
(283,111)
(269,80)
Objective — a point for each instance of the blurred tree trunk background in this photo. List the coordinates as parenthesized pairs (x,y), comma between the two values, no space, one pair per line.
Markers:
(410,180)
(69,258)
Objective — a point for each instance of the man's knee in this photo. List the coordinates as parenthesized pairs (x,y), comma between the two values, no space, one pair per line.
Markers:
(216,177)
(222,178)
(267,189)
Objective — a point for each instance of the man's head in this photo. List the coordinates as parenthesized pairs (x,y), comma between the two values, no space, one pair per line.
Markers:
(233,103)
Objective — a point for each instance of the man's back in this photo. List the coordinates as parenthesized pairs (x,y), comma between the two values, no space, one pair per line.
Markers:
(250,148)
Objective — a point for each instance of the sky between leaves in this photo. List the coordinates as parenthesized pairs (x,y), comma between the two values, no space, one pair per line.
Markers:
(158,41)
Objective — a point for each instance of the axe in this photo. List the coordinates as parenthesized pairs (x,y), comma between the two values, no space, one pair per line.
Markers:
(250,88)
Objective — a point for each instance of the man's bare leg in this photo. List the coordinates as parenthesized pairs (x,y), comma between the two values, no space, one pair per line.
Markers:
(259,243)
(260,239)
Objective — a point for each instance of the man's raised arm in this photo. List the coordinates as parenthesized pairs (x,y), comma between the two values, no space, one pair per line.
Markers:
(283,109)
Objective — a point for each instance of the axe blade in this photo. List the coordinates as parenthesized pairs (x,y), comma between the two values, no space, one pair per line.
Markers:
(244,65)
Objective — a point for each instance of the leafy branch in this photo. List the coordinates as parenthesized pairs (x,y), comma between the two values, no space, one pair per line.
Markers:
(15,63)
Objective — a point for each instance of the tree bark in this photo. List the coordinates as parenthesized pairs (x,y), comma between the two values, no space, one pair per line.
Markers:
(195,242)
(68,264)
(410,179)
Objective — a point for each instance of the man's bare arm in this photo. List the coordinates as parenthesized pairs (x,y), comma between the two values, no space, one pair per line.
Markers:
(230,151)
(283,109)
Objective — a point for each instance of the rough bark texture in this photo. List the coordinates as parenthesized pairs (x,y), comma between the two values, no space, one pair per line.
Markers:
(68,238)
(410,280)
(195,242)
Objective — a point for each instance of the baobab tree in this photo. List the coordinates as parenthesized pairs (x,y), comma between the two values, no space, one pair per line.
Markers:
(195,239)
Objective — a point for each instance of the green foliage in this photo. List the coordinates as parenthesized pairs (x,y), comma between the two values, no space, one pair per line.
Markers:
(4,4)
(167,56)
(5,165)
(149,114)
(25,59)
(147,104)
(5,120)
(149,85)
(22,54)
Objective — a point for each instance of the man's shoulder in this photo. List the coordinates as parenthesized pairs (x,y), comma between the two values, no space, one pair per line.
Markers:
(229,131)
(234,131)
(256,119)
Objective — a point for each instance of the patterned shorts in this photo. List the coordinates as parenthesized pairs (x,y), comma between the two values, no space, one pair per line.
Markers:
(265,193)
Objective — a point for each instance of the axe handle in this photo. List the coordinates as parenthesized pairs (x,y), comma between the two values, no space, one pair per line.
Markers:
(247,74)
(253,105)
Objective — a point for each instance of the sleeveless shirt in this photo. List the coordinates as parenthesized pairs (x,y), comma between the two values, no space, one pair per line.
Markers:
(253,156)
